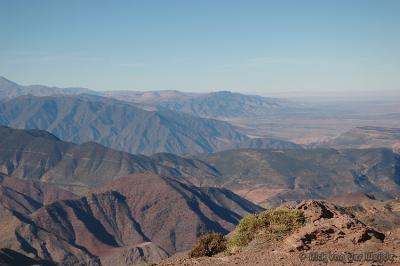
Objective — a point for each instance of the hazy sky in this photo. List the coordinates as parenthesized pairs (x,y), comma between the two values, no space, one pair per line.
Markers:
(249,46)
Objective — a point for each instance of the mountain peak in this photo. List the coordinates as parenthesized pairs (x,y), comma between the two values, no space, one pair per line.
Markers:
(4,82)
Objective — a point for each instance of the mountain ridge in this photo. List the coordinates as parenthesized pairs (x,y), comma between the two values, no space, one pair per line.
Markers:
(123,126)
(10,89)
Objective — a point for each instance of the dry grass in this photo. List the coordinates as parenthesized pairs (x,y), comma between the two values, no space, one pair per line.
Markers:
(209,245)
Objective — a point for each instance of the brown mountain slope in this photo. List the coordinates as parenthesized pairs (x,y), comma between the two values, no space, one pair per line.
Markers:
(121,215)
(20,198)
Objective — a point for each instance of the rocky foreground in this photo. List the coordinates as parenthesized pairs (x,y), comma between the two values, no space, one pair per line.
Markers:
(331,235)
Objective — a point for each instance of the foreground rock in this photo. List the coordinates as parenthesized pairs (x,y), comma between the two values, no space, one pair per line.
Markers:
(331,235)
(329,223)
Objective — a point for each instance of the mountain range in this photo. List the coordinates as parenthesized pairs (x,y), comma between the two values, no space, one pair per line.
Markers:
(122,126)
(307,121)
(220,104)
(266,177)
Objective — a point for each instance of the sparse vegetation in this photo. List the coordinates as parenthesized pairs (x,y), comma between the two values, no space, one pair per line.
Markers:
(272,224)
(209,245)
(245,231)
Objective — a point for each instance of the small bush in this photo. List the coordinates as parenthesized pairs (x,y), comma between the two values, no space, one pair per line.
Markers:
(272,224)
(245,231)
(280,222)
(209,245)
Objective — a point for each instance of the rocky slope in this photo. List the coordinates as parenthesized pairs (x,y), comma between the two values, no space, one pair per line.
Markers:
(112,224)
(331,235)
(384,215)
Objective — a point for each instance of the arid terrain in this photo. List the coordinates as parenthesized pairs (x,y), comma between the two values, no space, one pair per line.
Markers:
(133,178)
(199,133)
(332,235)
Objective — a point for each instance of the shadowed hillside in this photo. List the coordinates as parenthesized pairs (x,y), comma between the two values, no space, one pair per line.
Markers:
(118,217)
(38,155)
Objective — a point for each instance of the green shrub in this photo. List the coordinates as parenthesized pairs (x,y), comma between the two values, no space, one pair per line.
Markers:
(209,245)
(280,222)
(272,224)
(245,231)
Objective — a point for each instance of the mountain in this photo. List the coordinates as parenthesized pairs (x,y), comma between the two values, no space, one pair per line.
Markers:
(269,177)
(39,155)
(135,218)
(221,104)
(10,89)
(122,126)
(366,137)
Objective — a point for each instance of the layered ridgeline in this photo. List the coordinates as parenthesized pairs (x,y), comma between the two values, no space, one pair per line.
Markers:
(134,219)
(122,126)
(39,155)
(266,177)
(269,177)
(10,89)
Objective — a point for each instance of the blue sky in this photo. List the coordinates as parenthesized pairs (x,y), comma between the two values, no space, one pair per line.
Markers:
(249,46)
